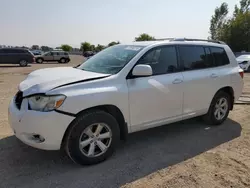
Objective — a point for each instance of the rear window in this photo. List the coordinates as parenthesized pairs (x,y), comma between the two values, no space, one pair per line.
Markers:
(220,56)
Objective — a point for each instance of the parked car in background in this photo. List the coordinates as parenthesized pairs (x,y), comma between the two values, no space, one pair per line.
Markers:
(88,54)
(123,89)
(20,56)
(37,52)
(244,62)
(59,56)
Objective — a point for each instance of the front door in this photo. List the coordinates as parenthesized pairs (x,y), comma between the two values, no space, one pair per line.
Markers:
(156,99)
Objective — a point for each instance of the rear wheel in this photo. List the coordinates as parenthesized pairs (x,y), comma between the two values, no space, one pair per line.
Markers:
(92,138)
(23,63)
(62,60)
(219,109)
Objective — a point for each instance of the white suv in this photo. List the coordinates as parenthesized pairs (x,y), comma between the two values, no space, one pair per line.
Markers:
(123,89)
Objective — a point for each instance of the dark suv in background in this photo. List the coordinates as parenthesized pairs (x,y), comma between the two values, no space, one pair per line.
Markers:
(16,56)
(88,54)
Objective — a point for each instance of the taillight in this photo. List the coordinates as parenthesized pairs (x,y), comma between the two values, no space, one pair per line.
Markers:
(241,74)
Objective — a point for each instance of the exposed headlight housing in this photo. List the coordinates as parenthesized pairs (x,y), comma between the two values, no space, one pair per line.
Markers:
(45,103)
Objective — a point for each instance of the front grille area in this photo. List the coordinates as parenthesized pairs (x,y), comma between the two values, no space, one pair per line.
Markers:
(19,99)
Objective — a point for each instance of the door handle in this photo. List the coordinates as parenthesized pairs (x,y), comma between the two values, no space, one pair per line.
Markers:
(214,75)
(177,81)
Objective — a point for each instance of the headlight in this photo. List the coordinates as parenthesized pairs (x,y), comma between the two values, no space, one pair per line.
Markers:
(46,103)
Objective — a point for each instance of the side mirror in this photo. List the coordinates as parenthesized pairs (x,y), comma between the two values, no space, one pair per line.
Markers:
(142,70)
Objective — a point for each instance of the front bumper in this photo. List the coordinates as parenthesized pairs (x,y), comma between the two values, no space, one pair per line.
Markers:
(51,126)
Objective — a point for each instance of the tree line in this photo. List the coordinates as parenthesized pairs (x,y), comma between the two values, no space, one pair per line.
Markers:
(87,46)
(234,29)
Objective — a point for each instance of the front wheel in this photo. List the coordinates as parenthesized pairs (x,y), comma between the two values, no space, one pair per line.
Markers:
(219,109)
(39,60)
(92,138)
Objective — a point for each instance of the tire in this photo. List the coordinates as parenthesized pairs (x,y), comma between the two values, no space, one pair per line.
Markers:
(213,118)
(39,60)
(85,126)
(63,60)
(23,63)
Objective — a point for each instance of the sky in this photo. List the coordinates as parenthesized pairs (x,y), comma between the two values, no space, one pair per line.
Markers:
(56,22)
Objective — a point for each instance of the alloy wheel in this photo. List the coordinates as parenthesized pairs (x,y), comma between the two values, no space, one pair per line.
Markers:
(95,140)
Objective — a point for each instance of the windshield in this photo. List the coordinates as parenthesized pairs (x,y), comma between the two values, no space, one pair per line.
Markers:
(111,60)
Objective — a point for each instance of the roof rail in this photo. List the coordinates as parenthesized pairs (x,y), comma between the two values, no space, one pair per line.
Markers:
(164,39)
(188,39)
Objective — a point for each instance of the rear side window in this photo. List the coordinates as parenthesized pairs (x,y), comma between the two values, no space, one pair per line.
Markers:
(162,60)
(220,56)
(193,57)
(20,51)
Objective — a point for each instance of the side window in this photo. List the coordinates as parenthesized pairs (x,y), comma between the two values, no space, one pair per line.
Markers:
(220,56)
(193,57)
(52,53)
(20,51)
(9,51)
(65,53)
(162,60)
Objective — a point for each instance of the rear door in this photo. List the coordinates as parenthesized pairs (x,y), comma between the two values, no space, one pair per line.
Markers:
(7,56)
(58,56)
(200,78)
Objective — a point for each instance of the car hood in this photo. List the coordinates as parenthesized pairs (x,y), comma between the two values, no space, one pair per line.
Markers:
(242,60)
(43,80)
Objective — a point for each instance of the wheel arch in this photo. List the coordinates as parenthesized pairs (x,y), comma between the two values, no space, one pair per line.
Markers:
(229,90)
(111,109)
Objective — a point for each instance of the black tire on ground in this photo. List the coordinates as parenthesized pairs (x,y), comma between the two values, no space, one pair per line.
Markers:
(77,129)
(210,118)
(23,63)
(62,60)
(39,60)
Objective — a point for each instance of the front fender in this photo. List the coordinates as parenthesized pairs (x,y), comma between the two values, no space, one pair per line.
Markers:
(81,99)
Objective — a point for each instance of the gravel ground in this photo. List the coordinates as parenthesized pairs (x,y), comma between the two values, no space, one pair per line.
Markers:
(185,154)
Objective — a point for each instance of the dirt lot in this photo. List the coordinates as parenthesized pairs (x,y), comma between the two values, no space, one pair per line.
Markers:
(186,154)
